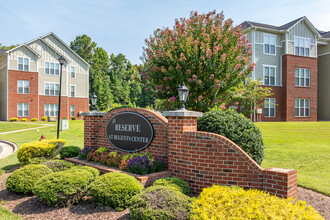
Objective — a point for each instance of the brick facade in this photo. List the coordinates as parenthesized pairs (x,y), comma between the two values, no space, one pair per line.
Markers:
(291,92)
(14,97)
(200,158)
(37,102)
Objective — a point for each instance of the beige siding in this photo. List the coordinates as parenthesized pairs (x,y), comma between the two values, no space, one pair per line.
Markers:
(302,30)
(322,49)
(323,101)
(260,37)
(3,87)
(23,52)
(43,78)
(81,84)
(264,59)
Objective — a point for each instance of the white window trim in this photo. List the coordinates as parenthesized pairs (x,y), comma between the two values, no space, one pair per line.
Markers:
(263,74)
(304,38)
(75,90)
(49,108)
(59,69)
(269,108)
(23,110)
(304,69)
(309,109)
(74,115)
(49,87)
(23,86)
(263,48)
(23,63)
(75,72)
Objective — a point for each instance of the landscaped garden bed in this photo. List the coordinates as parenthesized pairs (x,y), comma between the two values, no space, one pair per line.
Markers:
(146,180)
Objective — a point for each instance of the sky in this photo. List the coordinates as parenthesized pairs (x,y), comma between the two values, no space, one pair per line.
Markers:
(121,26)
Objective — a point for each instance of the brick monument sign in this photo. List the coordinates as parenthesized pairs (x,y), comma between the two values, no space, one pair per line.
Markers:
(200,158)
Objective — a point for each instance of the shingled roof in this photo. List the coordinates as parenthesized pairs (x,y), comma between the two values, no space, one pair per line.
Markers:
(326,34)
(2,52)
(247,24)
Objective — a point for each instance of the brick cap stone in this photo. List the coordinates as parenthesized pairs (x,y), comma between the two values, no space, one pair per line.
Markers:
(182,113)
(93,113)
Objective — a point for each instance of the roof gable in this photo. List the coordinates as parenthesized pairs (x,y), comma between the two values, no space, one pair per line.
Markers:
(24,45)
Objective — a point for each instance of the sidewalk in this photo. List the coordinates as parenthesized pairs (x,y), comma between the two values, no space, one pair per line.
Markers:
(27,129)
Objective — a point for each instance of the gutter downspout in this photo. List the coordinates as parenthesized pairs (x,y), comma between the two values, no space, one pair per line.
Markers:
(7,84)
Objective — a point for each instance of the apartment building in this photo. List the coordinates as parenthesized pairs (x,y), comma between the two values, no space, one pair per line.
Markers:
(287,61)
(30,79)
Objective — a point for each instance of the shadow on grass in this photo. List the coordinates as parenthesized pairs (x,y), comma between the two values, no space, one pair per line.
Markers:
(11,168)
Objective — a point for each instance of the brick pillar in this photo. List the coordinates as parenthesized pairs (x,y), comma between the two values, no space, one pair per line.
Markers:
(178,122)
(91,120)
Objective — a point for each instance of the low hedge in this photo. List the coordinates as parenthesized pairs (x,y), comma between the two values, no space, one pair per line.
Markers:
(93,171)
(160,202)
(63,188)
(46,148)
(13,119)
(34,119)
(114,190)
(44,118)
(24,120)
(69,151)
(23,179)
(58,165)
(174,182)
(223,202)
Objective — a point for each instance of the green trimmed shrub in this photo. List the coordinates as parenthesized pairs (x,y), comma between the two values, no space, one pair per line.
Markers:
(44,118)
(13,119)
(65,118)
(236,128)
(174,182)
(37,160)
(223,202)
(63,188)
(34,119)
(114,190)
(58,165)
(73,118)
(69,151)
(23,179)
(46,148)
(24,120)
(160,202)
(93,171)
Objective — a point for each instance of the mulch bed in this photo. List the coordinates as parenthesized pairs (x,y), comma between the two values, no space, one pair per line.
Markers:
(30,207)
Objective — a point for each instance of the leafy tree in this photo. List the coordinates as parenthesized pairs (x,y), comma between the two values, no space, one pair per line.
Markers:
(8,47)
(98,58)
(249,97)
(204,51)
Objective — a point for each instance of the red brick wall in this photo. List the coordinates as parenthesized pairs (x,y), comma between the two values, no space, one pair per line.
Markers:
(95,131)
(279,109)
(14,97)
(291,92)
(199,158)
(81,105)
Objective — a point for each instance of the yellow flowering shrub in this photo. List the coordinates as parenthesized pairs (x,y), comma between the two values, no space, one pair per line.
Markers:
(222,202)
(46,148)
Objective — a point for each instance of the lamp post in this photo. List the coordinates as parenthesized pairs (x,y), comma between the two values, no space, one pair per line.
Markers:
(61,60)
(183,94)
(94,100)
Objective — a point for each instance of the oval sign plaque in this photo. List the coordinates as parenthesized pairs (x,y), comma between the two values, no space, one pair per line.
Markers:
(129,131)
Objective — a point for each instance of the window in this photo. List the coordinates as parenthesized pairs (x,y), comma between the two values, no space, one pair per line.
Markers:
(301,108)
(23,86)
(302,46)
(73,90)
(23,64)
(269,44)
(52,89)
(269,75)
(22,109)
(52,68)
(72,110)
(302,77)
(73,72)
(51,109)
(269,107)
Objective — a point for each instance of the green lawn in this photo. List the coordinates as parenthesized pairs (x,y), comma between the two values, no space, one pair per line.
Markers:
(7,215)
(304,146)
(74,136)
(12,126)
